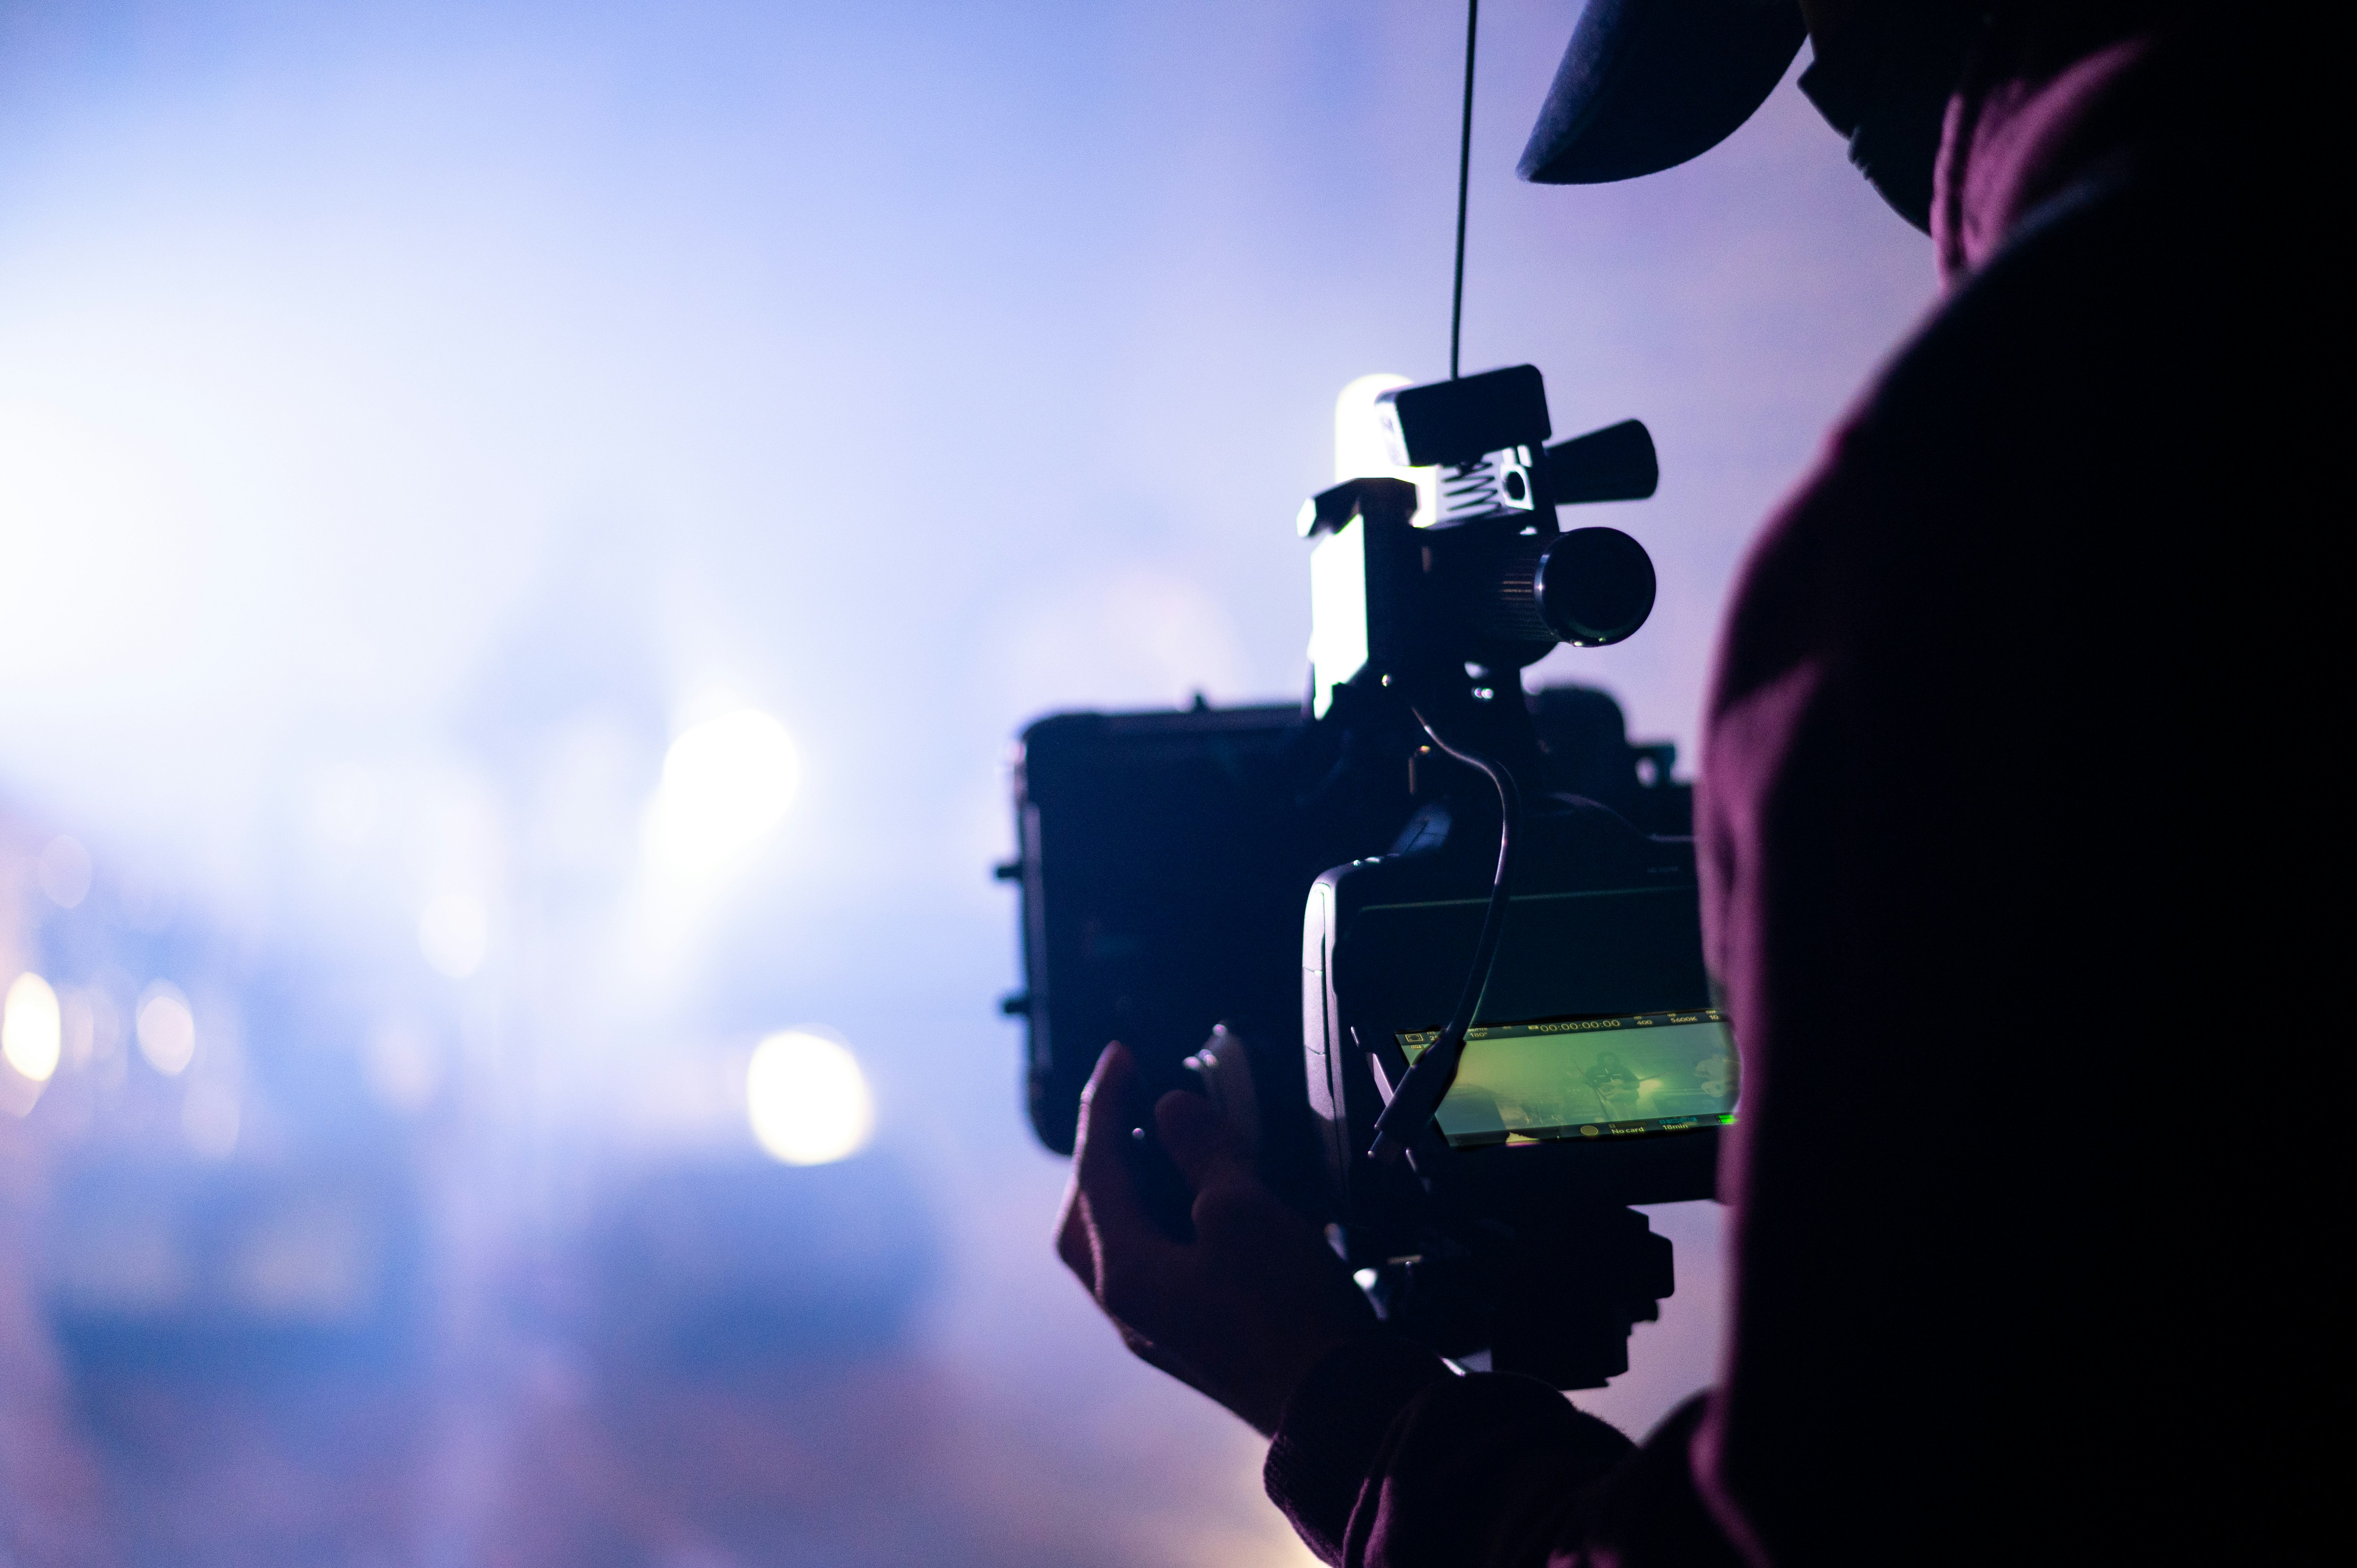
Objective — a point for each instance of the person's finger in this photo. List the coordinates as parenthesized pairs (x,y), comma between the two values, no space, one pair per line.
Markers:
(1160,1360)
(1072,1243)
(1109,1087)
(1127,1252)
(1199,1143)
(1099,1163)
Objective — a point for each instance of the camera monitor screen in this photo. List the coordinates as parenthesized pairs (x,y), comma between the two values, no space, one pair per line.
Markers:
(1588,1078)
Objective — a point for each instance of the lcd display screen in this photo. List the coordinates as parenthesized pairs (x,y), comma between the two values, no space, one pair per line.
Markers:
(1640,1074)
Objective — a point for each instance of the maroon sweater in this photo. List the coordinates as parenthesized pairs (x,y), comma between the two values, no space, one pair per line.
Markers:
(1956,804)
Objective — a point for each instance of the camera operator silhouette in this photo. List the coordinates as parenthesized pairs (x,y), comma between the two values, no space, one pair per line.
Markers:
(1957,768)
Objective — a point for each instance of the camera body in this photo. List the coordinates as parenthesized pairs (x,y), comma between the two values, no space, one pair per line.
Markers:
(1513,1235)
(1316,879)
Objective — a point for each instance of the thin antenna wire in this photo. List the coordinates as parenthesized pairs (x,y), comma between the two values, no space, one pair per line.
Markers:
(1464,169)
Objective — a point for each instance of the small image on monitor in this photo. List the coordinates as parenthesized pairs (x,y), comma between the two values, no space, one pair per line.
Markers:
(1640,1074)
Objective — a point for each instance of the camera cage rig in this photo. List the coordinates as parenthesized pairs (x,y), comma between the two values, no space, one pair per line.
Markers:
(1498,887)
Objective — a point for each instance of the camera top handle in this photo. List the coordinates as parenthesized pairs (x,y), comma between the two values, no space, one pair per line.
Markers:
(1443,611)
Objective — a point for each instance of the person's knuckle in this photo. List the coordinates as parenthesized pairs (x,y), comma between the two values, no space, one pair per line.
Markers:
(1123,1291)
(1226,1204)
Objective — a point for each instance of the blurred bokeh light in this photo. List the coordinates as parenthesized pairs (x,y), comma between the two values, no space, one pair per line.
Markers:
(168,1030)
(32,1034)
(808,1099)
(727,782)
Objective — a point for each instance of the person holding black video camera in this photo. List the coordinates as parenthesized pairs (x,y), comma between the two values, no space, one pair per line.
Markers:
(1960,811)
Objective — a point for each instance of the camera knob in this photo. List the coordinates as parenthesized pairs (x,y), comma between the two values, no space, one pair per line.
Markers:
(1594,586)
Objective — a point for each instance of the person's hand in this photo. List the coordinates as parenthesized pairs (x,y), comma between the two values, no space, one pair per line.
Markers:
(1243,1311)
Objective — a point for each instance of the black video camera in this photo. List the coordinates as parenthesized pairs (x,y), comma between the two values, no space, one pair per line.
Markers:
(1432,943)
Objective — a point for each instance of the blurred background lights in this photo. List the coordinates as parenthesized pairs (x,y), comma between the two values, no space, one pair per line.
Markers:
(808,1099)
(31,1029)
(453,932)
(413,421)
(79,1036)
(345,804)
(404,1066)
(208,1117)
(64,871)
(168,1030)
(726,783)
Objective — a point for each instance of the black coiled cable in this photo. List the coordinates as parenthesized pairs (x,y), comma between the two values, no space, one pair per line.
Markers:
(1403,1122)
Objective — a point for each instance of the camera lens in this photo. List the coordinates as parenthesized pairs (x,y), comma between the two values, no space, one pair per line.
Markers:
(1595,585)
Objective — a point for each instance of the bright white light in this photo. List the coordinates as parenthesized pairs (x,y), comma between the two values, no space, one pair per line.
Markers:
(808,1099)
(1363,449)
(726,784)
(64,871)
(1360,450)
(454,932)
(168,1030)
(1337,610)
(31,1029)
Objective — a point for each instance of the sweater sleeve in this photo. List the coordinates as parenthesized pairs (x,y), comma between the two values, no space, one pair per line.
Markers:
(1385,1458)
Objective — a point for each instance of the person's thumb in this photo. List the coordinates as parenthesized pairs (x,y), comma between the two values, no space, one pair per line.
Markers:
(1199,1143)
